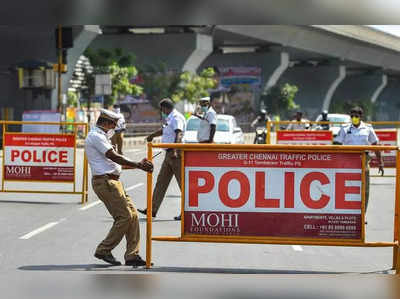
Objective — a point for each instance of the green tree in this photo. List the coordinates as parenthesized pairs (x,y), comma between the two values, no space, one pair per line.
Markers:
(279,99)
(120,67)
(72,99)
(159,82)
(192,87)
(344,107)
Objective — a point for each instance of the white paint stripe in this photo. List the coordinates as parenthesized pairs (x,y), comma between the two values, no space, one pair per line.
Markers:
(133,187)
(297,248)
(95,203)
(132,150)
(41,229)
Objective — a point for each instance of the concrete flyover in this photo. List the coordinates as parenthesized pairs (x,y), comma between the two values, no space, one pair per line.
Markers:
(328,63)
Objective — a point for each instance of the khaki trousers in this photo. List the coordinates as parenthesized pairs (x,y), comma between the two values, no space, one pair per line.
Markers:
(126,221)
(117,140)
(170,167)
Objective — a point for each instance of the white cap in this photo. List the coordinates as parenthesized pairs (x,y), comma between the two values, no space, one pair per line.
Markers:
(205,99)
(109,115)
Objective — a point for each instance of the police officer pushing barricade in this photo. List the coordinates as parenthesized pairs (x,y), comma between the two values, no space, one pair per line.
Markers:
(105,165)
(360,133)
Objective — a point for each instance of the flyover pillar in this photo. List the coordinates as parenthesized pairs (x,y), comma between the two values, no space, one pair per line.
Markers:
(359,87)
(178,51)
(272,64)
(316,85)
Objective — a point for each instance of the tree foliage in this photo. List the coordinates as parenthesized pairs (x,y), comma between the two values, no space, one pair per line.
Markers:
(120,67)
(279,100)
(345,107)
(159,82)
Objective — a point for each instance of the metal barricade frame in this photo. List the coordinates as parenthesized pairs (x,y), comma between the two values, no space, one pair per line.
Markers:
(84,190)
(272,240)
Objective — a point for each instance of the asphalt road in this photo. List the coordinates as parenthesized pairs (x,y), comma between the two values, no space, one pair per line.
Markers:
(47,237)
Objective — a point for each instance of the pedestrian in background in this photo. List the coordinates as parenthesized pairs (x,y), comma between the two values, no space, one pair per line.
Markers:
(299,123)
(105,165)
(208,121)
(171,132)
(360,133)
(118,138)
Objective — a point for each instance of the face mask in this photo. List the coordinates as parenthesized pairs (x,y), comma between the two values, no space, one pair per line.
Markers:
(355,120)
(204,109)
(164,115)
(117,110)
(110,133)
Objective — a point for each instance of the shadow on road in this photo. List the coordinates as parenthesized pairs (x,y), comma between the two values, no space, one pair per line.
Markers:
(77,267)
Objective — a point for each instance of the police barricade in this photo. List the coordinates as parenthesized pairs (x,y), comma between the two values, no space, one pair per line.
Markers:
(274,194)
(42,158)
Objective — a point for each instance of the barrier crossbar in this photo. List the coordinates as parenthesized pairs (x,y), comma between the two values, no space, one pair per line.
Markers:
(351,157)
(35,151)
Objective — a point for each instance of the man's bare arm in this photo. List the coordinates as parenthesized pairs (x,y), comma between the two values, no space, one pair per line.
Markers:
(145,164)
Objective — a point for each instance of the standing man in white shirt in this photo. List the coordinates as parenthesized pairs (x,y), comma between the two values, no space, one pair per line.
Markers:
(208,123)
(171,132)
(118,138)
(360,133)
(105,165)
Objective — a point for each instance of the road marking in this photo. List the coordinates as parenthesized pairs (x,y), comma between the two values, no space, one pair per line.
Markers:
(41,229)
(297,248)
(95,203)
(132,150)
(133,187)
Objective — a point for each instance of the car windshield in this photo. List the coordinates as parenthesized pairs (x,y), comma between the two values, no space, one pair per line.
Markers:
(223,125)
(194,123)
(338,119)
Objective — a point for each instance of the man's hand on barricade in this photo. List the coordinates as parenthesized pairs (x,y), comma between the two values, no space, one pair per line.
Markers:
(146,165)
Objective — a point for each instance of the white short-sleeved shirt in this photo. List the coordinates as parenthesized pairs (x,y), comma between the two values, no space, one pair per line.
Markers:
(364,134)
(174,121)
(121,124)
(210,118)
(298,125)
(96,146)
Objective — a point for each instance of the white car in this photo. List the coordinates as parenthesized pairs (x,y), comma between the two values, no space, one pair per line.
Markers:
(227,131)
(334,117)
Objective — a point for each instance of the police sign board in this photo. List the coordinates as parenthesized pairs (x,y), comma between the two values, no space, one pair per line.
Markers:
(273,194)
(39,157)
(386,137)
(304,137)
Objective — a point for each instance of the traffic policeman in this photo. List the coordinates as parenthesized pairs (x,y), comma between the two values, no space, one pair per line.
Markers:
(106,166)
(360,133)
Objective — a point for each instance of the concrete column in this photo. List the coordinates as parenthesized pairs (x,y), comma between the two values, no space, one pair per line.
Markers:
(82,39)
(272,64)
(388,101)
(360,86)
(183,51)
(379,89)
(333,87)
(316,86)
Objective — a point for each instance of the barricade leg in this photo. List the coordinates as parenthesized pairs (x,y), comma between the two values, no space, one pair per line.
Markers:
(398,260)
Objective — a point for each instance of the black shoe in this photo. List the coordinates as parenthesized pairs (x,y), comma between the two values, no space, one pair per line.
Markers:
(108,258)
(144,212)
(177,218)
(136,262)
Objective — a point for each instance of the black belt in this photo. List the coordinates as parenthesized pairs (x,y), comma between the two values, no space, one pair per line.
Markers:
(107,176)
